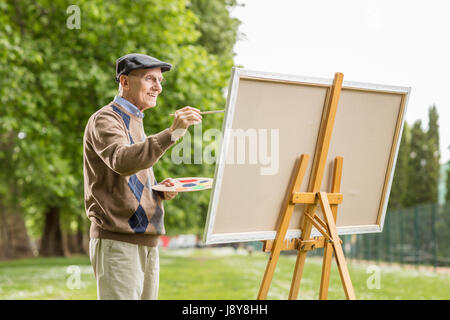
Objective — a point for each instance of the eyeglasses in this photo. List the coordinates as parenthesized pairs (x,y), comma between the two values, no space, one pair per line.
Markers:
(151,79)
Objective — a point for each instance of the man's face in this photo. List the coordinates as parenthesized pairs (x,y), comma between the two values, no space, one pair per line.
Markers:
(142,87)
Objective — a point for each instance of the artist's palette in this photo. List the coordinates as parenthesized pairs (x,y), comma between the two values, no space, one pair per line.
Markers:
(186,184)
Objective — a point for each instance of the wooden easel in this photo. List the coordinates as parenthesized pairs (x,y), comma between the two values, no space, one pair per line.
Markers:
(328,202)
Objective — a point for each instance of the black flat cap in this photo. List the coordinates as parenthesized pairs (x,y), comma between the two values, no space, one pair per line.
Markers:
(133,61)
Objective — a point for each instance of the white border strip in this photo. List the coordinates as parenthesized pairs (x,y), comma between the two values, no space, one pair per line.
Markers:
(283,77)
(217,184)
(394,162)
(321,81)
(270,235)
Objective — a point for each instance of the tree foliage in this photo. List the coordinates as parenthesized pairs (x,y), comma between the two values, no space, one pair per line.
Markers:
(400,179)
(54,78)
(417,190)
(432,157)
(417,169)
(447,195)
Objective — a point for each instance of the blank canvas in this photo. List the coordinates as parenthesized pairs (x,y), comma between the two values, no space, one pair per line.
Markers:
(245,204)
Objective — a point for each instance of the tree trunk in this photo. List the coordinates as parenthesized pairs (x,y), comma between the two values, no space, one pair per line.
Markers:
(14,240)
(81,235)
(4,239)
(75,242)
(52,239)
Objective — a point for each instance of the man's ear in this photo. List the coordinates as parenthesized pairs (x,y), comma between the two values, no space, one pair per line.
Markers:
(124,81)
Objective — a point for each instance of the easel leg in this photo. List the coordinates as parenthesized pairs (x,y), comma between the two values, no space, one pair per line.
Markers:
(326,269)
(340,258)
(328,249)
(299,265)
(287,210)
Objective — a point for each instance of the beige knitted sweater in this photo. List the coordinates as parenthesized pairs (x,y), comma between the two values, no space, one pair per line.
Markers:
(118,175)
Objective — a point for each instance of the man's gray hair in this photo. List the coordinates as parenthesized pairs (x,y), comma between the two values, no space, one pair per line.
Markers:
(120,90)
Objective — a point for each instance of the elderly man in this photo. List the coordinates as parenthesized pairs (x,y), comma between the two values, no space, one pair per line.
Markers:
(127,216)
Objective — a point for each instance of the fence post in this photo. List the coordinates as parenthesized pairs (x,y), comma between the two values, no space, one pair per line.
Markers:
(388,248)
(433,234)
(388,224)
(377,246)
(401,235)
(416,235)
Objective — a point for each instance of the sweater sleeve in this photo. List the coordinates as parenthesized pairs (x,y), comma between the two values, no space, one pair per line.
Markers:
(110,141)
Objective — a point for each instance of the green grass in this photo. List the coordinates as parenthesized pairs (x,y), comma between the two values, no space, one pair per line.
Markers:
(219,273)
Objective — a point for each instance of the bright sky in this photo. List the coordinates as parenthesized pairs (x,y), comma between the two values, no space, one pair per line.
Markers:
(404,43)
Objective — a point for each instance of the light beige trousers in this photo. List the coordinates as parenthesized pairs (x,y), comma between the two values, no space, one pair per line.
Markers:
(124,271)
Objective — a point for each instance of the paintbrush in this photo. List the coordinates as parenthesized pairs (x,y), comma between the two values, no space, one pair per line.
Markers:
(205,112)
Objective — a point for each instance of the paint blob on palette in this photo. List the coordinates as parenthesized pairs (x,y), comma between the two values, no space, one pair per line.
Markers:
(186,184)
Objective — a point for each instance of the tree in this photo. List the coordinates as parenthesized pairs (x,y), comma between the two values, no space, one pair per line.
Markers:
(447,195)
(400,180)
(54,77)
(218,30)
(432,156)
(417,190)
(443,224)
(417,169)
